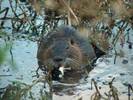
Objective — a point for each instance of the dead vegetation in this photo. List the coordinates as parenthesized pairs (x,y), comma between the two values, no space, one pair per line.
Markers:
(111,94)
(18,91)
(95,18)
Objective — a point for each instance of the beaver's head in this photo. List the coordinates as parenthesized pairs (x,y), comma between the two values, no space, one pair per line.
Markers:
(63,51)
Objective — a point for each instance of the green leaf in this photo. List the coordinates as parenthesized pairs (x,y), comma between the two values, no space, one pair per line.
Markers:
(3,52)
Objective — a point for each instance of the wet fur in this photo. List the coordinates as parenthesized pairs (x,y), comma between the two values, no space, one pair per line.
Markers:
(82,47)
(64,42)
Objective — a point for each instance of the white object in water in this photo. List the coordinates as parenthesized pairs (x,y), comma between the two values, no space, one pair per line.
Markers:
(61,69)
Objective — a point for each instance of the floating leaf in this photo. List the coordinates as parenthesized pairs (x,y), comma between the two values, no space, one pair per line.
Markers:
(3,52)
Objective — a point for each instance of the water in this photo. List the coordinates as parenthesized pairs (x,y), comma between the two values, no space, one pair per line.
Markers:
(24,56)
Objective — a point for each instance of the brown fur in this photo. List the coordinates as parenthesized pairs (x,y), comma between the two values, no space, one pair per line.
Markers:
(64,46)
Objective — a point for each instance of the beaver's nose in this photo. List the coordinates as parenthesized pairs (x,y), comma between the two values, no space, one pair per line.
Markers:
(58,59)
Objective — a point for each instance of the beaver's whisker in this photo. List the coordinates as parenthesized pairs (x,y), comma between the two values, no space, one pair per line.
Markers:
(74,62)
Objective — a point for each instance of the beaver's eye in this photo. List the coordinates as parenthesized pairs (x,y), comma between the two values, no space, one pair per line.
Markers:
(72,42)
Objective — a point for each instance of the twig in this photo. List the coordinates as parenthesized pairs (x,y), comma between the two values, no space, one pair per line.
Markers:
(12,58)
(71,11)
(10,2)
(97,94)
(6,11)
(115,55)
(4,75)
(114,41)
(130,88)
(113,90)
(69,19)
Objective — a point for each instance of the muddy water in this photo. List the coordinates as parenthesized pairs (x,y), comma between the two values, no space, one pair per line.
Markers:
(24,56)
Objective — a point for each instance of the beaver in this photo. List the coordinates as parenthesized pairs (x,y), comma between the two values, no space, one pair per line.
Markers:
(65,54)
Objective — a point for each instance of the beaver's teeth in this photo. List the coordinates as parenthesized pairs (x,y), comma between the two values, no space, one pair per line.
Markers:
(61,69)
